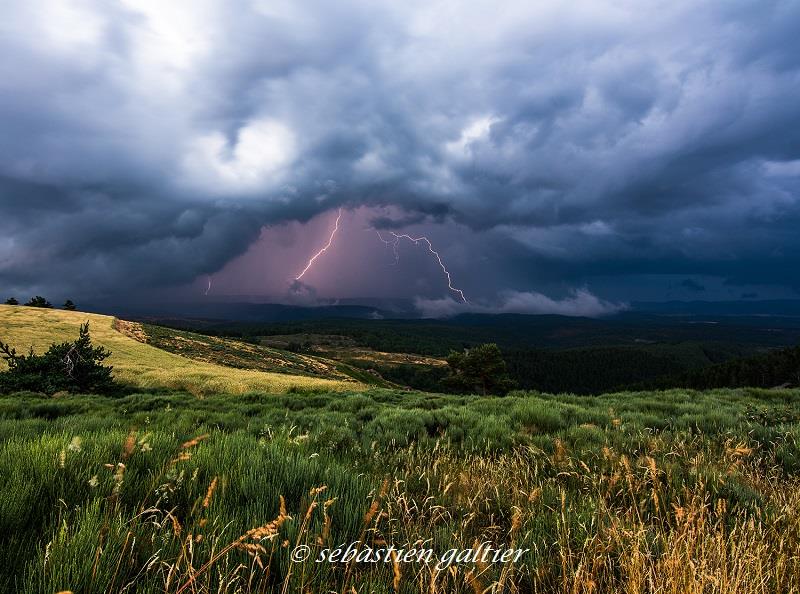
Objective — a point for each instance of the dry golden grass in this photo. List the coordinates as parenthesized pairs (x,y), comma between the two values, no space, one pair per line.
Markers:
(140,364)
(696,545)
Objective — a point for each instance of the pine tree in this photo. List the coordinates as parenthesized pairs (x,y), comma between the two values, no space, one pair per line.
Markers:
(67,367)
(481,369)
(39,301)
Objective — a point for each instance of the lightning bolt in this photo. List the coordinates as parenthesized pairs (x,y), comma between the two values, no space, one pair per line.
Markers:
(208,289)
(323,250)
(391,243)
(416,240)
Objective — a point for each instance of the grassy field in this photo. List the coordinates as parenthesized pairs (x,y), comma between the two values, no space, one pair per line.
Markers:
(240,354)
(652,492)
(146,366)
(344,349)
(161,491)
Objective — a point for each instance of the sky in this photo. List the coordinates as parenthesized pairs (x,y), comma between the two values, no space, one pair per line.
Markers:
(560,157)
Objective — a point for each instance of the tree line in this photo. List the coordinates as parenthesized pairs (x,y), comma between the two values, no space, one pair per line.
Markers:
(593,370)
(779,368)
(39,301)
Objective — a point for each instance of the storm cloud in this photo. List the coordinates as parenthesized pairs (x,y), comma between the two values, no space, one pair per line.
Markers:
(580,303)
(148,143)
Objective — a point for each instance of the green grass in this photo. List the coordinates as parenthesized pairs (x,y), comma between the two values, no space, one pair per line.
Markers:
(608,492)
(146,366)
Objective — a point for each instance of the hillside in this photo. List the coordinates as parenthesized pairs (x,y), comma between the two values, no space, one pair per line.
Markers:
(146,366)
(545,353)
(777,368)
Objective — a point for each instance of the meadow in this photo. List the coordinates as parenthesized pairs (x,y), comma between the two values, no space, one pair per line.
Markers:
(143,365)
(160,491)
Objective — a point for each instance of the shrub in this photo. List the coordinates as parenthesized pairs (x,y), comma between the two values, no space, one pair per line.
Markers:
(39,301)
(335,438)
(396,427)
(66,367)
(539,415)
(493,434)
(585,436)
(12,301)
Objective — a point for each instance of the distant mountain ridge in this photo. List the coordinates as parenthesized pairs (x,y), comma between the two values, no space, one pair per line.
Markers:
(773,307)
(400,309)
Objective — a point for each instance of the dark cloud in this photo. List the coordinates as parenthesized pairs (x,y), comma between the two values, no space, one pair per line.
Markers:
(147,143)
(692,285)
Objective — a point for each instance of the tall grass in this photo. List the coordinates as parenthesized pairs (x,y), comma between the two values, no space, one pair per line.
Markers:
(649,492)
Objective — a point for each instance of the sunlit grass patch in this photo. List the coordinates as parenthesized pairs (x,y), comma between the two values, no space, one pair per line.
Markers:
(140,364)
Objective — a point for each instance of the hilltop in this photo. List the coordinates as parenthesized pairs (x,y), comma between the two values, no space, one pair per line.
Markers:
(187,362)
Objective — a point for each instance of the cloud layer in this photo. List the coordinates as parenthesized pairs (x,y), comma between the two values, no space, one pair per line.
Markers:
(580,303)
(146,143)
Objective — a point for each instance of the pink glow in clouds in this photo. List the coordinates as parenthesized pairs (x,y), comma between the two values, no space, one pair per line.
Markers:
(337,254)
(324,249)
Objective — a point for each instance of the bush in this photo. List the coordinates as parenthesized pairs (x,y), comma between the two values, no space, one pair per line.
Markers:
(538,415)
(39,301)
(12,301)
(396,427)
(66,367)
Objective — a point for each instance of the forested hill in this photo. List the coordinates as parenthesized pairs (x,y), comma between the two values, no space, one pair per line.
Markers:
(516,331)
(697,366)
(777,368)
